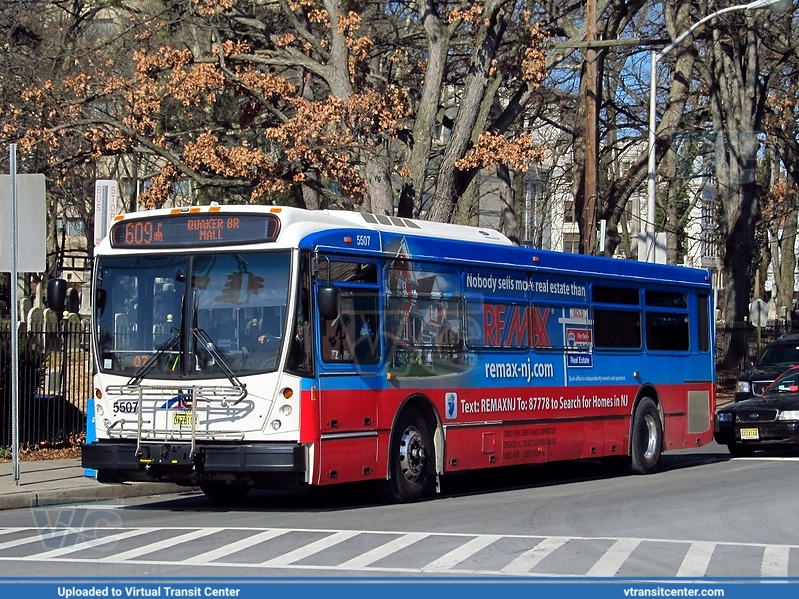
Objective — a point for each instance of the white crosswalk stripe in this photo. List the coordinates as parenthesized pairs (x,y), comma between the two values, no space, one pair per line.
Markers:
(310,549)
(614,558)
(531,558)
(165,544)
(400,552)
(775,561)
(36,536)
(456,556)
(696,561)
(385,550)
(89,544)
(235,547)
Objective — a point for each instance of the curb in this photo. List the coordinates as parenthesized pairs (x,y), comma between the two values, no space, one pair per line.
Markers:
(38,499)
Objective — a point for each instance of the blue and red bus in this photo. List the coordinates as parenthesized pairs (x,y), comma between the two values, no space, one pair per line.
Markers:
(240,347)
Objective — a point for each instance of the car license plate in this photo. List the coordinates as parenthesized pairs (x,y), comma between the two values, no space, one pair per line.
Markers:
(181,419)
(749,434)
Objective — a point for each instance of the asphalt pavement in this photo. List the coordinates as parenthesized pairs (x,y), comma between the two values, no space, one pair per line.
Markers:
(56,482)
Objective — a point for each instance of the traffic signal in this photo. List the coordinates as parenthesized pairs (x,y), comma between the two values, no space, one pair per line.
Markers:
(232,291)
(255,284)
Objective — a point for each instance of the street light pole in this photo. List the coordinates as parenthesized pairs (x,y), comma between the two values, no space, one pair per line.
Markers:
(656,57)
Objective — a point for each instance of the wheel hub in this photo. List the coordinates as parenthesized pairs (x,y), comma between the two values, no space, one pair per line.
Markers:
(412,454)
(649,438)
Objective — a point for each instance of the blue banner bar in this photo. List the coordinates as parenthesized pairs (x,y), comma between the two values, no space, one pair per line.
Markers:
(369,588)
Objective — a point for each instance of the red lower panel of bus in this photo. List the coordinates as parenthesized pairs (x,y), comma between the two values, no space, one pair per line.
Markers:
(344,460)
(582,424)
(514,444)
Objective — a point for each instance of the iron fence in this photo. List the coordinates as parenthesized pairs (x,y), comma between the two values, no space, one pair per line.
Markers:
(752,342)
(55,383)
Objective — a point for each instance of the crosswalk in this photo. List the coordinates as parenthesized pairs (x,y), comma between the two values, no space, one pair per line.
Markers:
(396,552)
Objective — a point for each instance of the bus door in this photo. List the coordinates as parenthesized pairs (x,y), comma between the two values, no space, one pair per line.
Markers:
(350,361)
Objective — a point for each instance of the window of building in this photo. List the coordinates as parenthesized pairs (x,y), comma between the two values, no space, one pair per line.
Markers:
(568,212)
(571,243)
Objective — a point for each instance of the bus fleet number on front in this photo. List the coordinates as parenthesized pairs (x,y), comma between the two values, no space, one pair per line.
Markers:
(362,240)
(125,407)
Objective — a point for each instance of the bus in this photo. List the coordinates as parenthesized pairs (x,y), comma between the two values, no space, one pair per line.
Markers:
(241,347)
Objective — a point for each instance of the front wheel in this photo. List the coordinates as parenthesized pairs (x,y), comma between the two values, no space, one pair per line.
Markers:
(223,494)
(411,460)
(647,438)
(740,451)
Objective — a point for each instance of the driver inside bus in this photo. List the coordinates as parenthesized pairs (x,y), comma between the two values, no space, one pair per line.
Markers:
(253,338)
(260,348)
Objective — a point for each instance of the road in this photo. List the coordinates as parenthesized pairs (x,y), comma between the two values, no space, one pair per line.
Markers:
(704,515)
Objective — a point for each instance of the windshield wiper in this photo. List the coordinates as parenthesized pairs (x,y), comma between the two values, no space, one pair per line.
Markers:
(148,365)
(208,344)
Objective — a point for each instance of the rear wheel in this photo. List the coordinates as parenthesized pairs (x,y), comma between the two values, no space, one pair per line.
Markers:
(224,493)
(411,460)
(740,451)
(647,438)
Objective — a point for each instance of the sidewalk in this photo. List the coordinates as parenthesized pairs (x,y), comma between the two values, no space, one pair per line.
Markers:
(54,482)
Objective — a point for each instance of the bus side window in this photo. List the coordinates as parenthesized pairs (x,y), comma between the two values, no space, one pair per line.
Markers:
(367,345)
(336,338)
(353,336)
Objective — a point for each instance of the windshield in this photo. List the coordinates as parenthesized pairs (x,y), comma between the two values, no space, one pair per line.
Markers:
(779,354)
(188,313)
(787,383)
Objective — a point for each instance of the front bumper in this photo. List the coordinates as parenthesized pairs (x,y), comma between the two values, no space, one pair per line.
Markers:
(258,463)
(770,433)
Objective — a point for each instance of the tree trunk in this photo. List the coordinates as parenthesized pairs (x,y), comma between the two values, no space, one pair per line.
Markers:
(733,69)
(413,187)
(509,224)
(449,186)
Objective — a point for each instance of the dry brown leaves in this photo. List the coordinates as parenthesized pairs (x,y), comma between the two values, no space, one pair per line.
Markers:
(64,450)
(493,149)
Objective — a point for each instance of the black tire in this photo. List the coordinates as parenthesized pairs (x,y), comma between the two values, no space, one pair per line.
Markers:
(411,465)
(646,443)
(224,493)
(740,451)
(107,477)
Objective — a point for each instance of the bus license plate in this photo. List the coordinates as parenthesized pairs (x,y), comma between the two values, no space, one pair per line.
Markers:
(748,434)
(181,419)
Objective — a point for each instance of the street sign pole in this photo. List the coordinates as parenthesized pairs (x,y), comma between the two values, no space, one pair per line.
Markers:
(12,160)
(758,315)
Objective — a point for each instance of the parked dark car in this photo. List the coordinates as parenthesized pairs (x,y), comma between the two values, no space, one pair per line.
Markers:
(777,357)
(766,422)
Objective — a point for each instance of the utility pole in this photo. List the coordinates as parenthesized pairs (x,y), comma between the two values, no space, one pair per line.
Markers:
(591,136)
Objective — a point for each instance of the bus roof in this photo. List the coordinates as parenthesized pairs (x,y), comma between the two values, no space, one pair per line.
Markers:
(385,236)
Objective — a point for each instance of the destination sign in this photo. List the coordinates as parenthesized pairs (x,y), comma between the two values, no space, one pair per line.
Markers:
(194,230)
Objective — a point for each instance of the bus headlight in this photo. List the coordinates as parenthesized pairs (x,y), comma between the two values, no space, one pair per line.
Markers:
(107,423)
(285,410)
(275,424)
(99,409)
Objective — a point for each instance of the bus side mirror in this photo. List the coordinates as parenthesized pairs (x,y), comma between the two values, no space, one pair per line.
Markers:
(57,295)
(327,298)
